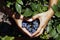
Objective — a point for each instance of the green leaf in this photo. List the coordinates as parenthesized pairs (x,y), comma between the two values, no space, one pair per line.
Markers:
(20,2)
(57,14)
(48,29)
(27,12)
(34,13)
(18,8)
(7,38)
(58,28)
(52,33)
(34,6)
(39,8)
(49,26)
(55,8)
(9,3)
(45,8)
(58,38)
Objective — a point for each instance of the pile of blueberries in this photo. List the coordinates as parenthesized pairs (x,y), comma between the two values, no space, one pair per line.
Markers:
(31,26)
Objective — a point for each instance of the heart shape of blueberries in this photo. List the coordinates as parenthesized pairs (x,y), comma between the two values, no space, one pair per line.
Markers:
(31,26)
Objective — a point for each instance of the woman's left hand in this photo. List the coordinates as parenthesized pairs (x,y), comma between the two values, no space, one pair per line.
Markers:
(44,18)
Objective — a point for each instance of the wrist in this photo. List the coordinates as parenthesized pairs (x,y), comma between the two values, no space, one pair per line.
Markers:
(50,12)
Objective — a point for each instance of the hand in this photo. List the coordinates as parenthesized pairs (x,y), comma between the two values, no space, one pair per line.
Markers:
(19,23)
(44,18)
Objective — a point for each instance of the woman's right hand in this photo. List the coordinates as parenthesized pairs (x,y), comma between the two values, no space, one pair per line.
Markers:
(19,24)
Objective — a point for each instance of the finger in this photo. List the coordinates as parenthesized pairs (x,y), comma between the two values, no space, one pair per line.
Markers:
(36,16)
(43,22)
(24,29)
(19,23)
(40,32)
(42,29)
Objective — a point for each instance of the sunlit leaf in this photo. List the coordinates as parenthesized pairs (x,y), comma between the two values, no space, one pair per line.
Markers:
(58,38)
(48,29)
(58,28)
(49,26)
(55,8)
(52,32)
(57,14)
(18,8)
(20,2)
(8,4)
(34,6)
(7,38)
(27,12)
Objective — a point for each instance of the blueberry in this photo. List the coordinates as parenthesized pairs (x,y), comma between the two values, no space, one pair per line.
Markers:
(29,29)
(24,24)
(28,26)
(35,26)
(33,30)
(34,22)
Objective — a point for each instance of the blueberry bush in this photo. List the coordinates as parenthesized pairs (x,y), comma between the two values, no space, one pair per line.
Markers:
(28,8)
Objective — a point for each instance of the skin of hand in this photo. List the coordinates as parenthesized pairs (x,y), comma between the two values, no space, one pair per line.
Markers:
(44,18)
(19,23)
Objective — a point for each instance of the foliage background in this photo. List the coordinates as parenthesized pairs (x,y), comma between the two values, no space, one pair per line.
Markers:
(10,31)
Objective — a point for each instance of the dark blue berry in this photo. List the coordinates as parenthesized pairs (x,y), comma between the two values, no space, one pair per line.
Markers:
(33,30)
(28,26)
(31,26)
(24,24)
(29,29)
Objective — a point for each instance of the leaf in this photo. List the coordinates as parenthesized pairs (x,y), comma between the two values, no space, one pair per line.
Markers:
(58,28)
(45,8)
(27,12)
(58,38)
(20,2)
(52,33)
(34,13)
(7,38)
(49,26)
(34,6)
(48,29)
(39,8)
(55,8)
(9,3)
(18,8)
(57,14)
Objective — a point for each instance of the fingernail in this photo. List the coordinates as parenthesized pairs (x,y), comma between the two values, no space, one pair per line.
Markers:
(30,20)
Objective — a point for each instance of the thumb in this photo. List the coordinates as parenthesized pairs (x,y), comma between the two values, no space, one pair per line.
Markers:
(36,16)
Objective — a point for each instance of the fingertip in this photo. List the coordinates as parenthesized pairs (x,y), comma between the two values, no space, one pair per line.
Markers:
(35,33)
(34,17)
